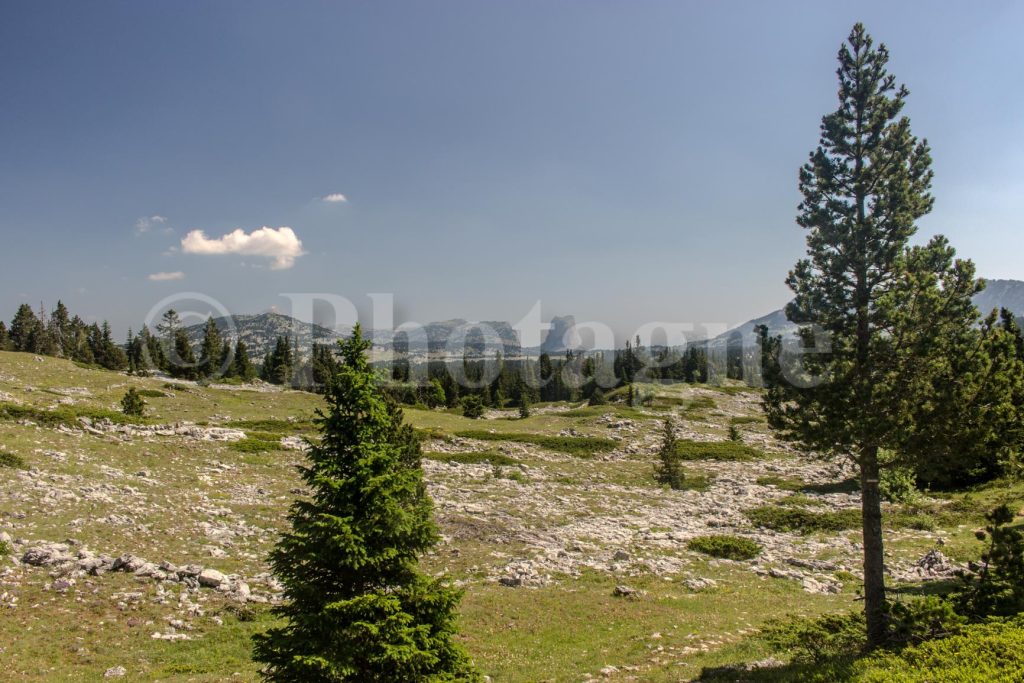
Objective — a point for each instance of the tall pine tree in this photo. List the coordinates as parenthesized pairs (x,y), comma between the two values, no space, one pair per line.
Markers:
(211,351)
(357,606)
(895,315)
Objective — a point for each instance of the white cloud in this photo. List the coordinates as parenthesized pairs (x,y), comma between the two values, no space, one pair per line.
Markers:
(147,223)
(163,277)
(334,198)
(280,244)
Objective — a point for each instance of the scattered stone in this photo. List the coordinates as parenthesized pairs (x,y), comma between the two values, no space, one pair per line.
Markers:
(211,578)
(623,591)
(115,672)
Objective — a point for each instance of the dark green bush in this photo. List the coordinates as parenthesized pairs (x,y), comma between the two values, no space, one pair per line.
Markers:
(62,415)
(132,404)
(725,547)
(271,425)
(472,407)
(580,446)
(998,587)
(12,460)
(813,641)
(5,549)
(477,458)
(784,483)
(716,450)
(249,445)
(151,393)
(265,436)
(783,518)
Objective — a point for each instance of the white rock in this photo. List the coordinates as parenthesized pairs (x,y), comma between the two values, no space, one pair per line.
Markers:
(211,578)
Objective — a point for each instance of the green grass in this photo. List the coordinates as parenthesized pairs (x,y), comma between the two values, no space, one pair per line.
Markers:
(700,404)
(271,425)
(695,482)
(151,393)
(725,547)
(746,420)
(579,446)
(716,450)
(265,436)
(783,518)
(475,458)
(63,415)
(12,461)
(992,651)
(250,445)
(619,411)
(784,483)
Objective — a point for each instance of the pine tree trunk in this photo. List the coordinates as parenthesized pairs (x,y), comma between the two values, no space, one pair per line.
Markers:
(874,578)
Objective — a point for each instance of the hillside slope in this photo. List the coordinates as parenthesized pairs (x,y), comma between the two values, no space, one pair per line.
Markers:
(143,546)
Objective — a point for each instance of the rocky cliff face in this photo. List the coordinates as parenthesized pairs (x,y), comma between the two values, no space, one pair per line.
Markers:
(562,335)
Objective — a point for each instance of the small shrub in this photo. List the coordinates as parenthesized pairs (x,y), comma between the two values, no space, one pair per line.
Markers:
(716,450)
(12,460)
(428,433)
(991,651)
(475,458)
(132,404)
(815,641)
(242,613)
(898,485)
(782,518)
(669,468)
(700,404)
(151,393)
(916,621)
(472,407)
(725,547)
(734,433)
(271,425)
(175,387)
(784,483)
(524,409)
(799,500)
(998,587)
(498,472)
(265,436)
(249,445)
(901,520)
(580,446)
(5,549)
(63,415)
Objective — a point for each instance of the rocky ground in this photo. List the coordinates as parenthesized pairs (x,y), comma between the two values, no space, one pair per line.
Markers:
(163,529)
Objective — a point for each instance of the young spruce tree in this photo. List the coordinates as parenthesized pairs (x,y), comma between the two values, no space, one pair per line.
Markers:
(357,607)
(895,316)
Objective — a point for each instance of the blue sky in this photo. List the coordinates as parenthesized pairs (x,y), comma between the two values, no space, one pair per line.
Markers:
(623,162)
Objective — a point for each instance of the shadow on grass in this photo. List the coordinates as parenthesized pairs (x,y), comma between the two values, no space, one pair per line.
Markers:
(940,587)
(846,486)
(836,669)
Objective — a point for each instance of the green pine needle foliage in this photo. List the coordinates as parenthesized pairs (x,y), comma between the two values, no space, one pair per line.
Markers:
(358,608)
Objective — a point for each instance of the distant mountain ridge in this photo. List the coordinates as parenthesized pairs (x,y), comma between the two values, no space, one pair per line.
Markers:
(997,294)
(260,332)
